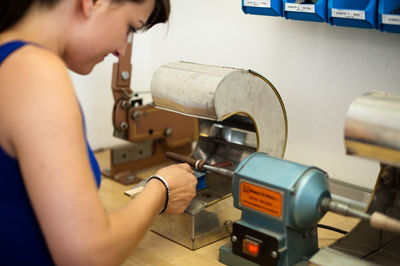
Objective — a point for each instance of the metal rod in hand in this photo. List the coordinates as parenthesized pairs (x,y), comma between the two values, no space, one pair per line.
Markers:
(199,164)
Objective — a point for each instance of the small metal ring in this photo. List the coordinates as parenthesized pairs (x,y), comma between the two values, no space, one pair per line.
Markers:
(196,165)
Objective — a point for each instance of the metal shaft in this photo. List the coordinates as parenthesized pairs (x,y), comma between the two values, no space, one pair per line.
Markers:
(328,204)
(199,164)
(218,170)
(376,220)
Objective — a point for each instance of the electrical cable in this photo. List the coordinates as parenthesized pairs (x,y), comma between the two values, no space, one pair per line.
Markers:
(332,228)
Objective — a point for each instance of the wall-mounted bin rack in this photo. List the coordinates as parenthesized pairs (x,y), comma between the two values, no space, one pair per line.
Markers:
(389,15)
(262,7)
(309,10)
(353,13)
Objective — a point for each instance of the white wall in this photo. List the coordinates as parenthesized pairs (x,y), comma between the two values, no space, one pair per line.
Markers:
(317,69)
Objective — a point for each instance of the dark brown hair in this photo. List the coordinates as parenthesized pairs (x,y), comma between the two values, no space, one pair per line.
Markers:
(11,11)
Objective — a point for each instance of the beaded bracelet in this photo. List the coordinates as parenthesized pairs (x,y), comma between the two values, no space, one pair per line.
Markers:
(166,188)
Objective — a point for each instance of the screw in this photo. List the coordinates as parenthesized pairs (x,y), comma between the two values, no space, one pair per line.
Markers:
(125,104)
(123,125)
(125,75)
(274,254)
(168,132)
(135,115)
(228,226)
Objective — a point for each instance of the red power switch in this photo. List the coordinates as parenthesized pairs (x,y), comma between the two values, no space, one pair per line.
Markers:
(250,247)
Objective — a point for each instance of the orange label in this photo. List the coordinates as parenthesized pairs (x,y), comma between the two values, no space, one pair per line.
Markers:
(261,199)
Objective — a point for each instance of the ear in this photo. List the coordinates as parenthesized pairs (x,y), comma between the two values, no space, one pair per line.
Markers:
(87,7)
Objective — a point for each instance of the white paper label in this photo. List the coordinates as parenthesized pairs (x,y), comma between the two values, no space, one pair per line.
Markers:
(300,8)
(343,13)
(257,3)
(391,19)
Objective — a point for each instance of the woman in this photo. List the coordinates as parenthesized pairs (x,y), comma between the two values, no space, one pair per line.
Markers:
(50,210)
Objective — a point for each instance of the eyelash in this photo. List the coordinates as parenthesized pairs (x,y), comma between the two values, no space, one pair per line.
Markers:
(131,29)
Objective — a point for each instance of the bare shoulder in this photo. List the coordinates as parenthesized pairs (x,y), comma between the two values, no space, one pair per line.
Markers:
(34,86)
(32,63)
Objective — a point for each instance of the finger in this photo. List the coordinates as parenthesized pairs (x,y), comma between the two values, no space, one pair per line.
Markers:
(186,167)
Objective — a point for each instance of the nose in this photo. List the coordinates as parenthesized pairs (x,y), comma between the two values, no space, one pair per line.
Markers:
(122,50)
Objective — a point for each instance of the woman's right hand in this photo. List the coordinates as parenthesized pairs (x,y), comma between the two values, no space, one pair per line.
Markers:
(182,185)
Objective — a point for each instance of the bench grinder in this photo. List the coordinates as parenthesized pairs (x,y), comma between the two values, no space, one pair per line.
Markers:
(282,201)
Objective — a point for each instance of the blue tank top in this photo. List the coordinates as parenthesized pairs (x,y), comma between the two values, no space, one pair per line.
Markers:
(21,240)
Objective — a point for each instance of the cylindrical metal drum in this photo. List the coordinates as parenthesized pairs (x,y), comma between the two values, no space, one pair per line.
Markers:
(372,127)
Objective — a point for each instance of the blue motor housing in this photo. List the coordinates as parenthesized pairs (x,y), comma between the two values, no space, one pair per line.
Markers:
(280,203)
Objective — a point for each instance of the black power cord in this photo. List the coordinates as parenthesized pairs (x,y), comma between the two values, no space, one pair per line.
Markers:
(332,228)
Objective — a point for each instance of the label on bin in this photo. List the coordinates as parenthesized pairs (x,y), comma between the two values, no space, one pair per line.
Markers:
(257,3)
(391,19)
(300,8)
(344,13)
(261,198)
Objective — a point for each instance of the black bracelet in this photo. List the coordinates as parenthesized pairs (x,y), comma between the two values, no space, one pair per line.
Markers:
(166,188)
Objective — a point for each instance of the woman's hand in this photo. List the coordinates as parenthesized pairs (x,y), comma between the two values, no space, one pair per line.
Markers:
(182,185)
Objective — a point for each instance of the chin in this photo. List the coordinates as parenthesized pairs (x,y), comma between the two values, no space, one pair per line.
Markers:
(82,69)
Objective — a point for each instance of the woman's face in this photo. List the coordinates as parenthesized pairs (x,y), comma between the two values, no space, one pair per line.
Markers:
(104,31)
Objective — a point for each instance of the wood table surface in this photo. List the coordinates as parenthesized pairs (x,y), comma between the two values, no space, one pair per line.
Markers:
(157,250)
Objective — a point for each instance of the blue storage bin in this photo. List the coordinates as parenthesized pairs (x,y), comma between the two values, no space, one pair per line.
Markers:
(316,12)
(353,13)
(389,15)
(262,7)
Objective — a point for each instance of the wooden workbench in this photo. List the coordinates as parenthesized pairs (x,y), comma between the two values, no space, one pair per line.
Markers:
(157,250)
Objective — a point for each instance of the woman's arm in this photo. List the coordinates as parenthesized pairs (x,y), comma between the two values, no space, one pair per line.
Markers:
(43,124)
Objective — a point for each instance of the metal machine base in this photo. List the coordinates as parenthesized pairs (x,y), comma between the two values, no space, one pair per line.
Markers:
(208,218)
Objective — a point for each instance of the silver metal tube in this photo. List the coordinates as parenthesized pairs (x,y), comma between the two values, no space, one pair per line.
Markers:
(328,204)
(372,127)
(218,171)
(351,203)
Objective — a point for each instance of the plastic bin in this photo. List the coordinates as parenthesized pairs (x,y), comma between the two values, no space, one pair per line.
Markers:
(262,7)
(353,13)
(389,15)
(316,12)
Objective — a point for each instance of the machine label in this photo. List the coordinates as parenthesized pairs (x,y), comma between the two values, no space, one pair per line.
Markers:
(261,199)
(257,3)
(352,14)
(299,8)
(391,19)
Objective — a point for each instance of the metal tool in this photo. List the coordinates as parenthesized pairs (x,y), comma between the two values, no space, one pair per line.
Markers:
(199,164)
(239,112)
(150,131)
(376,220)
(280,209)
(326,204)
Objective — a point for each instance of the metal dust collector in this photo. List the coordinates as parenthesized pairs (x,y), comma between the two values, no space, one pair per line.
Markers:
(239,113)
